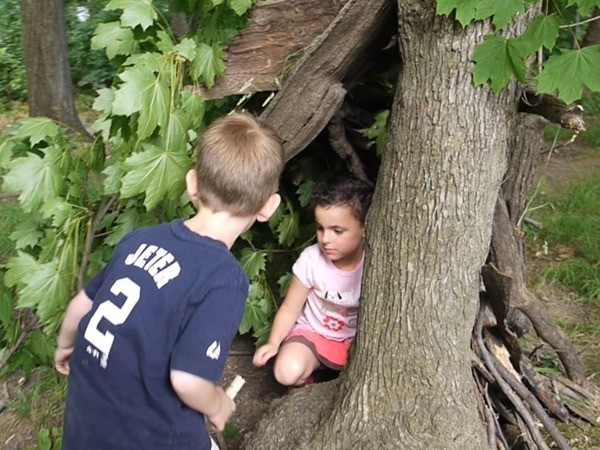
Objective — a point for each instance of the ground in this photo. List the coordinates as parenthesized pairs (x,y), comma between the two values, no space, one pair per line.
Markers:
(19,425)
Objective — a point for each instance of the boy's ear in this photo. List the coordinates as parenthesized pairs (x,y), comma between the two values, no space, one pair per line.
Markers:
(269,208)
(191,184)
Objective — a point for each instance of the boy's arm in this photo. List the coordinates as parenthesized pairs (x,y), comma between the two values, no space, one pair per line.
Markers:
(284,321)
(78,307)
(204,396)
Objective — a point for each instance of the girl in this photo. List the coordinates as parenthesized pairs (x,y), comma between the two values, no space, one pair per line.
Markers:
(316,323)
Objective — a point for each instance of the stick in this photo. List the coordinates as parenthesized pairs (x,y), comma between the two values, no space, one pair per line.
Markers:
(232,391)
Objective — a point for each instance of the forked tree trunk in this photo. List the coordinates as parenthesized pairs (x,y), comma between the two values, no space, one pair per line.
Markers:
(409,382)
(49,88)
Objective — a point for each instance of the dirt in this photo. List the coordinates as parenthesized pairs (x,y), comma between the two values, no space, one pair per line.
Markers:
(17,431)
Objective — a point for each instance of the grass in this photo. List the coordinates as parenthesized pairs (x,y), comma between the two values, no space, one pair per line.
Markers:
(571,233)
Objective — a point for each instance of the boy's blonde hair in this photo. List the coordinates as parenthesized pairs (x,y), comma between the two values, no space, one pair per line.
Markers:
(238,165)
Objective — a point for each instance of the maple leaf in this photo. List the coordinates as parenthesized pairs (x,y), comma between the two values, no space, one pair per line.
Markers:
(115,39)
(160,173)
(570,71)
(135,12)
(497,59)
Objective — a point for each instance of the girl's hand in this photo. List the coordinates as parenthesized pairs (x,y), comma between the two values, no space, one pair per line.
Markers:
(264,353)
(61,359)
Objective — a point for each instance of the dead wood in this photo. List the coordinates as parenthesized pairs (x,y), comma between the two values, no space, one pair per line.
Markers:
(278,33)
(542,388)
(522,412)
(313,91)
(342,146)
(507,256)
(552,108)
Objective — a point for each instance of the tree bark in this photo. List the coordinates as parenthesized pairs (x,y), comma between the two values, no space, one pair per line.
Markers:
(592,35)
(408,384)
(49,87)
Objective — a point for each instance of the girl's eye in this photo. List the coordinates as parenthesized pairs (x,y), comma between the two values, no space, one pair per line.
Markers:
(337,231)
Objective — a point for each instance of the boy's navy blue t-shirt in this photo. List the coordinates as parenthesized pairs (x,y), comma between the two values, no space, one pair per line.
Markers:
(169,299)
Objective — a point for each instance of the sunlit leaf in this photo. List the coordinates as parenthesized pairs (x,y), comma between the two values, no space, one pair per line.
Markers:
(135,12)
(58,210)
(104,100)
(240,6)
(27,233)
(37,129)
(208,63)
(158,172)
(115,39)
(37,179)
(186,49)
(570,71)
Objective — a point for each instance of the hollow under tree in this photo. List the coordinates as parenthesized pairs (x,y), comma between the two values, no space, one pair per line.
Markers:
(458,160)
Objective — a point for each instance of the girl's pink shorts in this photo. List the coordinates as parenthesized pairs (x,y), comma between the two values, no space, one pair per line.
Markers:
(333,354)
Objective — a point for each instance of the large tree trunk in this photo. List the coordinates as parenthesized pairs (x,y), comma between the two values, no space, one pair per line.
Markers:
(409,382)
(49,87)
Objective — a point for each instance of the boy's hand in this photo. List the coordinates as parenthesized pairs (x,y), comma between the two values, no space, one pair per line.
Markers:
(226,409)
(264,353)
(61,359)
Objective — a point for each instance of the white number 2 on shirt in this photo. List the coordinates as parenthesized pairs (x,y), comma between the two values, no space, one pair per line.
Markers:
(111,312)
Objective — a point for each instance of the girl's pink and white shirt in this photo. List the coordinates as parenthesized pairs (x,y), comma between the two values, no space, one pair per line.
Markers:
(331,308)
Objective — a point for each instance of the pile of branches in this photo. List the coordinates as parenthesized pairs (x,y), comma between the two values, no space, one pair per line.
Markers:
(513,396)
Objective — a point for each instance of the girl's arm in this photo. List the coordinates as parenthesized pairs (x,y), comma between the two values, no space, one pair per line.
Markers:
(285,319)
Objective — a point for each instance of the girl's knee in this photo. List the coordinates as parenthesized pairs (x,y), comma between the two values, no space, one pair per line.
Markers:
(290,371)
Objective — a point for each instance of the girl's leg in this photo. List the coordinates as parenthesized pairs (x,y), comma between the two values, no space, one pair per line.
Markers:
(294,364)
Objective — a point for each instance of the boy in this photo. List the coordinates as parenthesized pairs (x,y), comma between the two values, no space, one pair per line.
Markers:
(146,340)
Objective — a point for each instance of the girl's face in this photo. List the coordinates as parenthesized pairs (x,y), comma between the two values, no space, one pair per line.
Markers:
(340,235)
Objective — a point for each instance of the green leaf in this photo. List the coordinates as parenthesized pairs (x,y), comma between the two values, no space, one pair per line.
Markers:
(115,39)
(6,308)
(135,12)
(150,61)
(114,174)
(37,129)
(240,6)
(6,152)
(18,269)
(156,101)
(543,30)
(208,63)
(186,49)
(131,95)
(160,173)
(497,59)
(193,105)
(57,209)
(259,310)
(502,10)
(284,284)
(37,179)
(176,133)
(378,130)
(569,72)
(253,262)
(27,233)
(127,221)
(104,101)
(305,192)
(41,346)
(288,229)
(47,290)
(585,6)
(465,9)
(165,43)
